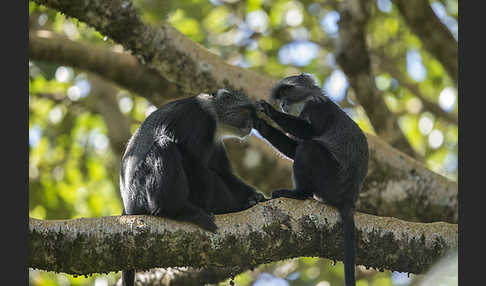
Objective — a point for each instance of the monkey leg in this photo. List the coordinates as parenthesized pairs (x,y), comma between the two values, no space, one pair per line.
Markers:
(224,192)
(293,194)
(314,172)
(193,214)
(224,195)
(167,188)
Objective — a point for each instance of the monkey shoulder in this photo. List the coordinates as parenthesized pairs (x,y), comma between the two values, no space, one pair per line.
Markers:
(139,162)
(317,113)
(148,137)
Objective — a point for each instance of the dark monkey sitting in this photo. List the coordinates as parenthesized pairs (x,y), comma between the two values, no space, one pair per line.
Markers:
(329,150)
(175,167)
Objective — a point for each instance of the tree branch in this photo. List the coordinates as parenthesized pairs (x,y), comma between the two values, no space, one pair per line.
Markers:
(352,56)
(402,187)
(270,231)
(164,49)
(435,36)
(121,68)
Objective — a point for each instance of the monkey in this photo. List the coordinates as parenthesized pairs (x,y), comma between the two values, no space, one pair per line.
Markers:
(175,164)
(328,149)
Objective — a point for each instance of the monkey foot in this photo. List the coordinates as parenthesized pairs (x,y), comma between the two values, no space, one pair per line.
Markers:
(293,194)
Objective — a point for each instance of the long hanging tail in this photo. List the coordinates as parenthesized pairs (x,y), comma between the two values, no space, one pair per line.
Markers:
(128,276)
(346,212)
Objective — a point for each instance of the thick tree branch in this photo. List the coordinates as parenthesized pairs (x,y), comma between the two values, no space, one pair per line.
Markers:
(435,36)
(271,231)
(121,68)
(164,49)
(402,187)
(352,56)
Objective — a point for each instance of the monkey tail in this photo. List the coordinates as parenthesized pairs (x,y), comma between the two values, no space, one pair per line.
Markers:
(128,278)
(346,211)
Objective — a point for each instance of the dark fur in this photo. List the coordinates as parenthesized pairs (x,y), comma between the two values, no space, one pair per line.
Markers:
(173,167)
(329,150)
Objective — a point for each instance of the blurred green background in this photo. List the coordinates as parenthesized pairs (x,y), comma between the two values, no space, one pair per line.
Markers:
(74,165)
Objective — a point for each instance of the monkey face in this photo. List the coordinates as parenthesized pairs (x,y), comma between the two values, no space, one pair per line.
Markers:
(234,112)
(293,92)
(292,108)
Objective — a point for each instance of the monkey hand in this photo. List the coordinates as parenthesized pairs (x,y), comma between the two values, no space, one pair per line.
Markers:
(261,126)
(257,123)
(256,198)
(263,106)
(260,197)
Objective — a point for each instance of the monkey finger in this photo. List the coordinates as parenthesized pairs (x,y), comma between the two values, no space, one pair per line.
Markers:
(263,107)
(278,193)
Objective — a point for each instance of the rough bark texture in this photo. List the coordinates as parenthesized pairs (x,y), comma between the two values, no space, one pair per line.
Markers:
(271,231)
(353,58)
(434,35)
(121,68)
(402,187)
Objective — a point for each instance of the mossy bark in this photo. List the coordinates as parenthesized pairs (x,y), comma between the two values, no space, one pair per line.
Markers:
(271,231)
(352,56)
(119,67)
(402,187)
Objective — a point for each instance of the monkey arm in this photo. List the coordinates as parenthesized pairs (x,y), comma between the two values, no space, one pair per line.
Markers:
(220,164)
(297,127)
(218,160)
(276,138)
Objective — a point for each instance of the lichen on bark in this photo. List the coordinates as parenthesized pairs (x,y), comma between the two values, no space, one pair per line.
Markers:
(270,231)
